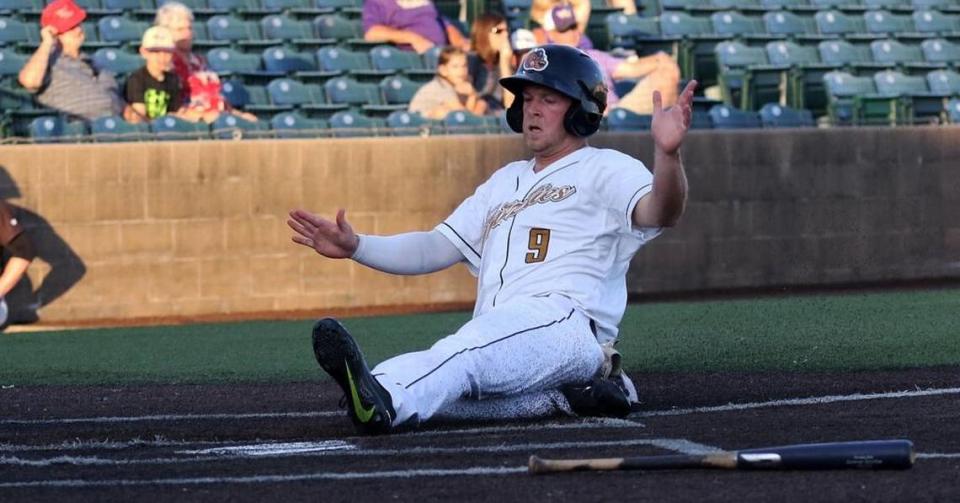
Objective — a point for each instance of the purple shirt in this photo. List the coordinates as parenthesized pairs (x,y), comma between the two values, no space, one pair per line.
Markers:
(418,16)
(609,65)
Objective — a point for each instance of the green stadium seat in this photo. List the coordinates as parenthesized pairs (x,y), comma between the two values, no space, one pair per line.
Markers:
(805,87)
(795,26)
(292,31)
(14,32)
(10,64)
(732,24)
(854,100)
(747,80)
(335,61)
(885,23)
(55,129)
(953,111)
(941,5)
(235,6)
(282,59)
(390,58)
(276,6)
(347,91)
(842,53)
(793,5)
(115,129)
(294,125)
(621,119)
(944,82)
(745,6)
(676,5)
(893,53)
(289,92)
(337,27)
(121,30)
(404,123)
(917,102)
(936,23)
(340,5)
(847,5)
(91,37)
(639,33)
(398,90)
(21,7)
(701,120)
(252,98)
(227,61)
(349,124)
(460,122)
(727,117)
(236,31)
(229,126)
(170,128)
(695,53)
(773,115)
(116,60)
(128,5)
(839,24)
(940,51)
(201,8)
(890,5)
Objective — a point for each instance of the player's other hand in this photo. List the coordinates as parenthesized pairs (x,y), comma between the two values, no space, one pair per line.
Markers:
(330,239)
(670,125)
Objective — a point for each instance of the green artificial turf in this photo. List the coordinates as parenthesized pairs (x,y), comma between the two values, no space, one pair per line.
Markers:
(851,331)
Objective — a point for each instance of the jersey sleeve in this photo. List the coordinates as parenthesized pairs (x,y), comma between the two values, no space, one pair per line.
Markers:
(622,183)
(464,227)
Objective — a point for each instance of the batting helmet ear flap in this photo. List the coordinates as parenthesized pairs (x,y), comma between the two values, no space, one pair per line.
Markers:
(580,123)
(515,114)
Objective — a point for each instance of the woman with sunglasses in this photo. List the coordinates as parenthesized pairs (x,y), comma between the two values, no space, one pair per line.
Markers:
(492,59)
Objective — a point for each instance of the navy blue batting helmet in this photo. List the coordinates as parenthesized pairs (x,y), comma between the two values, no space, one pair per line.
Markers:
(570,72)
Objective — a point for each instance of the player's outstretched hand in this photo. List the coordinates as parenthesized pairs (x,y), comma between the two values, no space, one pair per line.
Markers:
(330,239)
(670,125)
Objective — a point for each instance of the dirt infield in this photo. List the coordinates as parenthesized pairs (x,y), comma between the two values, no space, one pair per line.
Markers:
(264,442)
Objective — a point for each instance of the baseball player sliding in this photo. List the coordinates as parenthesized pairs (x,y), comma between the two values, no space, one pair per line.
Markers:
(549,239)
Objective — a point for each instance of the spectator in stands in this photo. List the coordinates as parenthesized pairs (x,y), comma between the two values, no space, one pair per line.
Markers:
(154,90)
(491,59)
(540,12)
(410,24)
(450,90)
(657,72)
(200,87)
(543,12)
(61,75)
(16,245)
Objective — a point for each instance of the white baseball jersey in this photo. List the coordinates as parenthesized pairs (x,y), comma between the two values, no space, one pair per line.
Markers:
(566,230)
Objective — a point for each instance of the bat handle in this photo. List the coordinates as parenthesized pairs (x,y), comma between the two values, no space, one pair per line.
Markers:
(538,465)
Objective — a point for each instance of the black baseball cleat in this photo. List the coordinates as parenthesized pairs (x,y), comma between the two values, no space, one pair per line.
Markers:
(598,398)
(368,403)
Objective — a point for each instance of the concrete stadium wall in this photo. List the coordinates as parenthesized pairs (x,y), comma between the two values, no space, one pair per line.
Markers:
(196,229)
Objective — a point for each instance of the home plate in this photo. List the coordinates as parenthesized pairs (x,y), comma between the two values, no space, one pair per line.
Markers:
(276,449)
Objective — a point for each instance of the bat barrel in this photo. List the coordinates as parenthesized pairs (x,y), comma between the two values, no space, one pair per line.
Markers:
(872,454)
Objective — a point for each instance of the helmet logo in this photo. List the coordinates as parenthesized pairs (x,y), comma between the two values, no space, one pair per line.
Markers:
(535,60)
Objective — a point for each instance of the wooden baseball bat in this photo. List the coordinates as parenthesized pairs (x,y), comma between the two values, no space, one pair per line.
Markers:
(867,454)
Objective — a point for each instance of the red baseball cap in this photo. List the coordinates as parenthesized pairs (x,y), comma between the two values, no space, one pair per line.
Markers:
(63,15)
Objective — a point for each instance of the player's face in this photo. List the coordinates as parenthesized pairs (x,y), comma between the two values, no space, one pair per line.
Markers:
(543,113)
